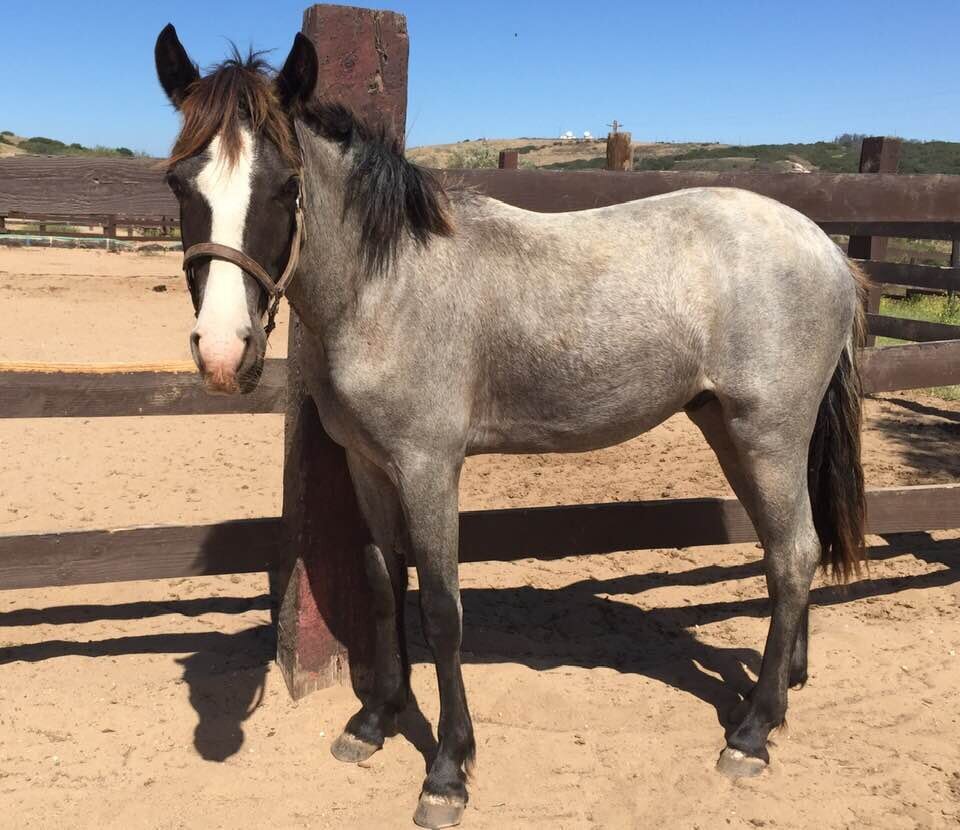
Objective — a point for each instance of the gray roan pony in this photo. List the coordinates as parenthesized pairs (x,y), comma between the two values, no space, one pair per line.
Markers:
(442,324)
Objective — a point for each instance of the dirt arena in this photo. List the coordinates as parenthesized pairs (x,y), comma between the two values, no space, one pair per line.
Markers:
(598,684)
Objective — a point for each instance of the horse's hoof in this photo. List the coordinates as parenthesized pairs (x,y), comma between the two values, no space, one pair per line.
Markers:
(436,811)
(736,764)
(352,750)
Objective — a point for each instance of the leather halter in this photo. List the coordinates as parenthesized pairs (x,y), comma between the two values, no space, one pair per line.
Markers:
(275,290)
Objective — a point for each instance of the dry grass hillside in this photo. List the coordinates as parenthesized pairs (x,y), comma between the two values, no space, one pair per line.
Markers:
(10,145)
(534,152)
(841,155)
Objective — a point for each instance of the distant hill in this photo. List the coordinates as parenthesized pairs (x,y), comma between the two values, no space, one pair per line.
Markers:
(544,153)
(841,155)
(12,144)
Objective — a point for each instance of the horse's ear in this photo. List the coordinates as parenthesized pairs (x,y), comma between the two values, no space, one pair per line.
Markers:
(174,68)
(296,80)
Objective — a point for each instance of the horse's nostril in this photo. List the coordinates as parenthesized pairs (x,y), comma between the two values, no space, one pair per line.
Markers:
(195,349)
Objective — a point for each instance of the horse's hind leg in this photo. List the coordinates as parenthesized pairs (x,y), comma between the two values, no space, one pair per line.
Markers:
(386,574)
(709,417)
(764,451)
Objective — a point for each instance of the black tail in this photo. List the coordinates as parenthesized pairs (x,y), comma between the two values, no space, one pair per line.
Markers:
(835,475)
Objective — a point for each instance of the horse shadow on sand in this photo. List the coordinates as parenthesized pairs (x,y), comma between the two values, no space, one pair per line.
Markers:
(580,624)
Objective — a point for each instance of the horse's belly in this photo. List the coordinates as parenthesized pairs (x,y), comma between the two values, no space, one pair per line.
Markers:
(579,424)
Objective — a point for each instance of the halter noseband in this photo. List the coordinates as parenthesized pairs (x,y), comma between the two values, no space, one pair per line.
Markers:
(275,290)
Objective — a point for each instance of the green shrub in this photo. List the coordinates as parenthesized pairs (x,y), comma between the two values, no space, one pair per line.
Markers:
(477,155)
(596,163)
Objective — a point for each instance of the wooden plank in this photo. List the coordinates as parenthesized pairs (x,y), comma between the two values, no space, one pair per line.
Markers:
(76,185)
(42,560)
(570,530)
(904,329)
(916,366)
(508,160)
(916,276)
(913,509)
(65,391)
(878,227)
(847,200)
(250,545)
(923,206)
(31,391)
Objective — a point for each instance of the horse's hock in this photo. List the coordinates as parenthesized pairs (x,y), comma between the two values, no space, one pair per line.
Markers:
(320,595)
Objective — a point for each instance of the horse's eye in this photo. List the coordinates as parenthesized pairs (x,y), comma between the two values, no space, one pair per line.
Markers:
(292,186)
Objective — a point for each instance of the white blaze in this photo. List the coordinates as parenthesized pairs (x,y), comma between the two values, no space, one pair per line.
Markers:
(223,314)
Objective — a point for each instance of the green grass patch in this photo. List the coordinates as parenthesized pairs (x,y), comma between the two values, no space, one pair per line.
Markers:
(596,163)
(932,308)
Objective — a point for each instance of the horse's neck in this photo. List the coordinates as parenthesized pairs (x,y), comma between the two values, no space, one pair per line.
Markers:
(332,293)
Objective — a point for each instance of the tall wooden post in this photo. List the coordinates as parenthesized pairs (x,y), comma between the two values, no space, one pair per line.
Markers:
(877,155)
(321,599)
(619,151)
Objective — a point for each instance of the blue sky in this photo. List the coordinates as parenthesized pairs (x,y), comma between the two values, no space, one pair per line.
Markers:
(738,71)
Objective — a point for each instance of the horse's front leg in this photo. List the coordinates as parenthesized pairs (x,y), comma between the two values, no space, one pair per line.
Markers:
(428,492)
(386,572)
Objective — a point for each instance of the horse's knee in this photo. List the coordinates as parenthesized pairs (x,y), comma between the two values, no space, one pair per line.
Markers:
(442,618)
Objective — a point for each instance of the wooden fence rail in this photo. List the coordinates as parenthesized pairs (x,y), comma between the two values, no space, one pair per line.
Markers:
(27,391)
(41,391)
(916,205)
(253,545)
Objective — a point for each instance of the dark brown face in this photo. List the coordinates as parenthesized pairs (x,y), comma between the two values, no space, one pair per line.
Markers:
(237,186)
(248,205)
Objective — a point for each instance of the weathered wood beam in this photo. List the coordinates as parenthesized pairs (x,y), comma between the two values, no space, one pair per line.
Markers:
(916,276)
(880,204)
(253,545)
(915,366)
(44,391)
(30,391)
(51,559)
(904,329)
(324,625)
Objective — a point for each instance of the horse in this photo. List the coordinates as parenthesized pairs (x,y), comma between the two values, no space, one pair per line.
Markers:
(439,323)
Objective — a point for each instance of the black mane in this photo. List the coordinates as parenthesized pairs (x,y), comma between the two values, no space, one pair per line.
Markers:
(393,197)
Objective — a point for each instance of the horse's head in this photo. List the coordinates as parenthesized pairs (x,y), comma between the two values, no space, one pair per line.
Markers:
(235,169)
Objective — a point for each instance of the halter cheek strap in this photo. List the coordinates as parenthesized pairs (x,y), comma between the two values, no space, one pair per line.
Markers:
(275,290)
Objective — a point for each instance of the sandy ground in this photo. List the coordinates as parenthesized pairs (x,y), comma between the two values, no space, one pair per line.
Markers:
(598,684)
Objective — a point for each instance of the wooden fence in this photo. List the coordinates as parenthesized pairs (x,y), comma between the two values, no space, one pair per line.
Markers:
(311,550)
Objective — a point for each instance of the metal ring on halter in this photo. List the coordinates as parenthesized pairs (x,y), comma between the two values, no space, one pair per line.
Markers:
(275,290)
